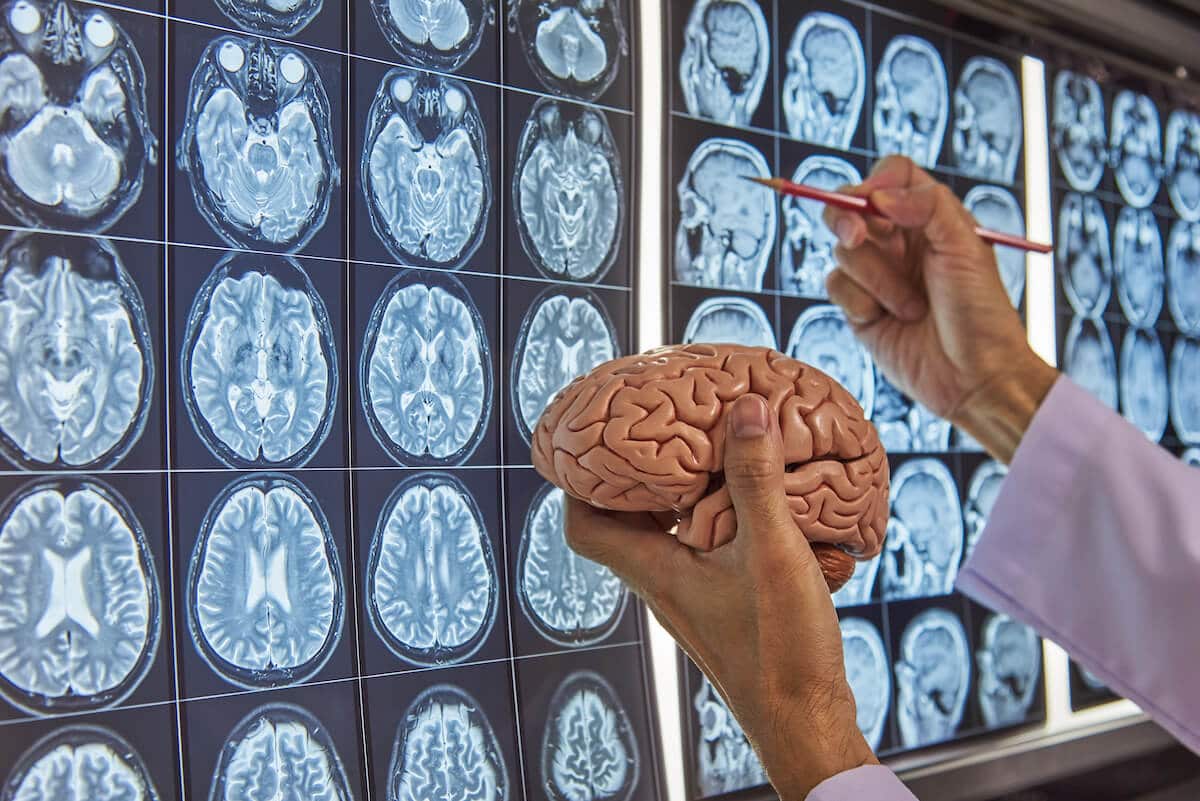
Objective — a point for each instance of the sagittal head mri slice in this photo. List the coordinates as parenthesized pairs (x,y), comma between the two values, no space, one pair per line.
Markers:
(904,425)
(912,100)
(266,599)
(257,144)
(823,338)
(568,599)
(1078,130)
(1182,163)
(981,497)
(725,760)
(431,575)
(1136,147)
(1138,264)
(922,550)
(1185,389)
(79,762)
(573,46)
(1089,361)
(271,17)
(826,81)
(259,368)
(726,60)
(1183,276)
(987,121)
(75,131)
(1009,662)
(808,244)
(726,225)
(869,675)
(568,191)
(1082,255)
(425,169)
(589,750)
(996,208)
(76,354)
(426,372)
(80,604)
(932,678)
(445,747)
(439,34)
(734,320)
(1145,400)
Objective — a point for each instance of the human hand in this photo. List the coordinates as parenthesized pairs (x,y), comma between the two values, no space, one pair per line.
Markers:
(755,615)
(923,293)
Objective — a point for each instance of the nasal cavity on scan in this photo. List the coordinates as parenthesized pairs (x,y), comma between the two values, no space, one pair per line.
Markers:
(437,34)
(574,47)
(588,749)
(80,761)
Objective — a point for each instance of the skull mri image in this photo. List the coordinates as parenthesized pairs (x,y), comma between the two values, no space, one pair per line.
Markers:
(825,83)
(732,320)
(807,255)
(1143,382)
(869,675)
(1082,255)
(726,60)
(925,538)
(1181,166)
(573,46)
(912,100)
(933,675)
(1078,131)
(1136,147)
(725,760)
(437,34)
(988,126)
(271,17)
(1009,663)
(1138,264)
(1183,276)
(1185,389)
(981,497)
(588,750)
(81,761)
(904,425)
(996,208)
(1089,360)
(823,338)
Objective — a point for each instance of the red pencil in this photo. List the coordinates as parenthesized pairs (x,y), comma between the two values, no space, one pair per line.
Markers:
(862,204)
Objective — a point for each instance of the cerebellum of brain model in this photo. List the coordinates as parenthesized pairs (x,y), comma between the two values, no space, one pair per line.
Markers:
(647,433)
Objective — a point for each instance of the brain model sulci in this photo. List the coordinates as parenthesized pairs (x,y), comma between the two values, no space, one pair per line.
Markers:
(647,433)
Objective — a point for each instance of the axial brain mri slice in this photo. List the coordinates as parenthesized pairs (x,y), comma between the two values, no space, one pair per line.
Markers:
(826,81)
(1143,382)
(912,100)
(808,244)
(997,209)
(726,225)
(922,552)
(1082,255)
(726,761)
(589,752)
(1182,163)
(869,675)
(426,372)
(932,678)
(726,60)
(1138,263)
(76,354)
(732,320)
(75,130)
(570,600)
(564,335)
(431,574)
(281,752)
(858,589)
(981,497)
(271,17)
(1136,145)
(1185,389)
(1078,130)
(257,144)
(904,425)
(440,34)
(266,599)
(568,191)
(80,762)
(1009,662)
(572,46)
(446,748)
(259,368)
(1183,276)
(425,170)
(1089,361)
(80,608)
(987,121)
(823,338)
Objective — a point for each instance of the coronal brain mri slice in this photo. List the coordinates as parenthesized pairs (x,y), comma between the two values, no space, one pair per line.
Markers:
(257,143)
(725,760)
(981,497)
(869,675)
(1185,389)
(266,599)
(589,752)
(808,244)
(826,81)
(1183,276)
(446,748)
(442,34)
(904,425)
(726,225)
(425,170)
(1077,131)
(568,599)
(1089,361)
(1136,145)
(1010,663)
(1145,400)
(925,540)
(81,763)
(932,678)
(1182,163)
(987,121)
(912,100)
(731,320)
(80,612)
(725,61)
(997,209)
(568,191)
(259,368)
(431,575)
(1138,262)
(1082,255)
(270,17)
(75,131)
(76,356)
(426,372)
(573,46)
(823,338)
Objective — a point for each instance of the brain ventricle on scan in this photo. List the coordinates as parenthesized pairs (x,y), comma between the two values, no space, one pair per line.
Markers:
(647,432)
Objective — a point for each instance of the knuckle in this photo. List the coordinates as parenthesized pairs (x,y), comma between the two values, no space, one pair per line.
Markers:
(751,469)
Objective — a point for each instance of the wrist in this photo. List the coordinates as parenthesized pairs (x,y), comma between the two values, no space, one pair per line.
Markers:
(998,412)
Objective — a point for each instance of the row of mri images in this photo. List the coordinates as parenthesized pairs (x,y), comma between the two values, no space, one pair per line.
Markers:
(284,287)
(816,92)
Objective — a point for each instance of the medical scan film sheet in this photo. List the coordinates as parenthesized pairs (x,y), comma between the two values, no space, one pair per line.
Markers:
(802,91)
(283,287)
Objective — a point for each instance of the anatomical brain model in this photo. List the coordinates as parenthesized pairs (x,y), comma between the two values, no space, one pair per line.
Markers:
(647,433)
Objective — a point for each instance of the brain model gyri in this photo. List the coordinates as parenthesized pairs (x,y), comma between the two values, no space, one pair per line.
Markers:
(646,433)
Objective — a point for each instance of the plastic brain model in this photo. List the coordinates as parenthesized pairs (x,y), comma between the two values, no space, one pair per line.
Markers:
(646,433)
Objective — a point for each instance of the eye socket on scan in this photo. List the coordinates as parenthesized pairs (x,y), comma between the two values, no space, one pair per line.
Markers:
(24,17)
(99,30)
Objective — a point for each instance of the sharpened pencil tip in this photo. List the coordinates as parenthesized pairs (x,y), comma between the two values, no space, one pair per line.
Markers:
(759,181)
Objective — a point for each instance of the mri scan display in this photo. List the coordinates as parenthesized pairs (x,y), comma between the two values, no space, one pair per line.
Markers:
(80,761)
(1082,255)
(257,144)
(726,60)
(1183,276)
(568,599)
(925,535)
(1009,662)
(725,760)
(823,338)
(1143,382)
(75,136)
(1182,163)
(1089,361)
(426,372)
(284,748)
(259,368)
(80,613)
(1136,145)
(440,34)
(912,100)
(997,209)
(869,675)
(76,353)
(858,589)
(1185,389)
(730,320)
(446,748)
(425,170)
(988,126)
(1138,262)
(1091,679)
(1077,130)
(572,46)
(562,336)
(981,497)
(1191,457)
(270,17)
(568,191)
(431,575)
(932,678)
(726,225)
(904,425)
(807,255)
(588,752)
(266,598)
(826,81)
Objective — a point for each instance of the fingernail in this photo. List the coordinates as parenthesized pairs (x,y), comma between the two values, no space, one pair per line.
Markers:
(844,230)
(749,417)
